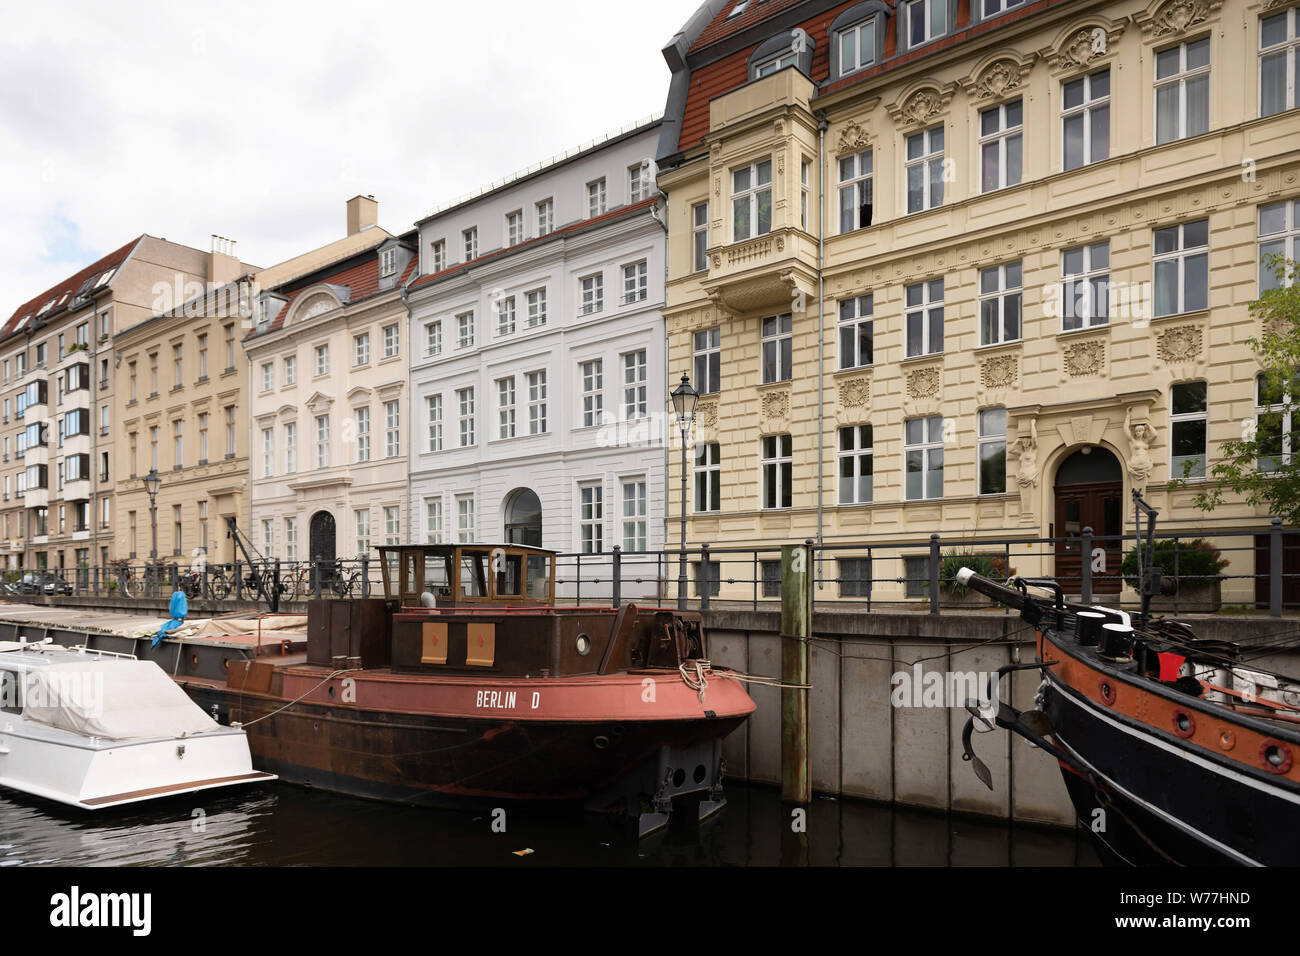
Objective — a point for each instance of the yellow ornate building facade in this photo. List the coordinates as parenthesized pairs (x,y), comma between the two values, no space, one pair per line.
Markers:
(979,272)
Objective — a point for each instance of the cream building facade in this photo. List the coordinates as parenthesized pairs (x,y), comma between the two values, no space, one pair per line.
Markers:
(1039,235)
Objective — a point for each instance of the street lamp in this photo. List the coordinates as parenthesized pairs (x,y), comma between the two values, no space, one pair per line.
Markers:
(684,399)
(151,484)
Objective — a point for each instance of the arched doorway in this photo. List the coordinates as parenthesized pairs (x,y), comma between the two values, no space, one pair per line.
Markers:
(1089,494)
(524,518)
(323,537)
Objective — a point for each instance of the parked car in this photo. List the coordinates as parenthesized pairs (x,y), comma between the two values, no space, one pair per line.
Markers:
(55,584)
(43,582)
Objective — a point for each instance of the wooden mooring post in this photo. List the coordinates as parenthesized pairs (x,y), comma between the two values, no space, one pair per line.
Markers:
(796,660)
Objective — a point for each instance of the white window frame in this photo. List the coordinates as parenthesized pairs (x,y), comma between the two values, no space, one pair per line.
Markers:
(591,517)
(636,282)
(1088,277)
(465,518)
(700,237)
(290,446)
(537,419)
(469,243)
(545,217)
(592,290)
(706,360)
(1289,50)
(392,341)
(322,441)
(989,438)
(322,353)
(392,429)
(465,330)
(856,179)
(1178,257)
(1284,240)
(506,407)
(596,198)
(775,63)
(635,385)
(536,299)
(514,227)
(856,31)
(921,300)
(927,160)
(1287,423)
(465,420)
(998,286)
(1002,138)
(1181,78)
(387,262)
(708,468)
(1090,105)
(433,520)
(931,30)
(858,455)
(750,198)
(439,255)
(856,312)
(361,416)
(592,373)
(638,182)
(290,370)
(433,413)
(927,444)
(506,315)
(1179,418)
(635,514)
(360,349)
(776,338)
(433,337)
(776,461)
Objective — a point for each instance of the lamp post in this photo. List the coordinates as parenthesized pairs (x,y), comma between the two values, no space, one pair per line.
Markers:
(684,399)
(151,484)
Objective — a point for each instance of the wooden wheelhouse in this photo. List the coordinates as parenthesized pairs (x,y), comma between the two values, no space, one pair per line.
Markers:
(468,575)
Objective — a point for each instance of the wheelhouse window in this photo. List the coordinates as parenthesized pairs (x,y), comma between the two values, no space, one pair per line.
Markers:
(924,170)
(708,360)
(857,46)
(923,317)
(1279,61)
(1188,424)
(777,464)
(1182,268)
(856,332)
(1085,120)
(926,20)
(923,448)
(856,464)
(993,451)
(1000,300)
(856,191)
(1183,91)
(751,201)
(1085,272)
(777,348)
(1001,145)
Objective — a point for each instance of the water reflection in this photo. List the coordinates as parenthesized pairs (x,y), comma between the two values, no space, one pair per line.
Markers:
(281,825)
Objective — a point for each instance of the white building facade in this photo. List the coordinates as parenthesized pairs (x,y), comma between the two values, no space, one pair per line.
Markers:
(537,364)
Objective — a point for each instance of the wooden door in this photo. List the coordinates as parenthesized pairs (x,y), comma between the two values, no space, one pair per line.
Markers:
(1098,506)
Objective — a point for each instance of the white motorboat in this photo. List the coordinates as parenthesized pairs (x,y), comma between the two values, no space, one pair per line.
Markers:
(94,729)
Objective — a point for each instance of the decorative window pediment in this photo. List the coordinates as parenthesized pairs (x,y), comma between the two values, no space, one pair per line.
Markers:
(999,75)
(313,304)
(921,104)
(1084,45)
(854,137)
(1171,18)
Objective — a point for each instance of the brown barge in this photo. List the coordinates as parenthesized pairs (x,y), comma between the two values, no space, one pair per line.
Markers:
(466,683)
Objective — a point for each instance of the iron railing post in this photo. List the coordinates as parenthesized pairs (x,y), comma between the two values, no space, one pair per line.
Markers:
(616,577)
(365,576)
(1275,568)
(1085,565)
(934,574)
(706,575)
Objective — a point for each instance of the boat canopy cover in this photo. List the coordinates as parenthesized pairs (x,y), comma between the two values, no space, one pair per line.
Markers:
(115,699)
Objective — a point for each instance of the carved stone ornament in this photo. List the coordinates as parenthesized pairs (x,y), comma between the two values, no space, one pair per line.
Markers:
(923,383)
(776,405)
(1000,372)
(706,415)
(318,304)
(1179,344)
(922,105)
(1084,358)
(1175,16)
(1083,46)
(853,139)
(1004,76)
(855,393)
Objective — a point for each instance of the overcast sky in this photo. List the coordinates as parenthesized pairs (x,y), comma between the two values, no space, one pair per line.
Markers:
(257,121)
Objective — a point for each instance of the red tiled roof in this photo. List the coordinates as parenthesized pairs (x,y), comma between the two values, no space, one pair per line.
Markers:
(571,228)
(68,287)
(361,280)
(724,26)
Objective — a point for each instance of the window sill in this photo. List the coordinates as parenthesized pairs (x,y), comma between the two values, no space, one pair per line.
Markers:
(1181,316)
(1068,333)
(916,359)
(993,346)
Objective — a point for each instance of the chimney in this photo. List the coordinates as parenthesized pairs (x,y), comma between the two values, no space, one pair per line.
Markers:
(363,213)
(223,262)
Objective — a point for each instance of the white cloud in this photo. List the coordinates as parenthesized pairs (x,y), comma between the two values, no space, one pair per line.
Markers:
(257,121)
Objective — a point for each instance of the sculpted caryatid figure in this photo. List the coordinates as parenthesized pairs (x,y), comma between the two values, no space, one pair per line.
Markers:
(1141,436)
(1026,449)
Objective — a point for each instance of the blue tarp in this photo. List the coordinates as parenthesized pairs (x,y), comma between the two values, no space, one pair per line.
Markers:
(179,608)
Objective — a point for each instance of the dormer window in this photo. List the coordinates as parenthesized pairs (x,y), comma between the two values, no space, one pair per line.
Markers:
(926,20)
(768,67)
(387,262)
(857,46)
(440,255)
(738,9)
(596,198)
(470,236)
(514,227)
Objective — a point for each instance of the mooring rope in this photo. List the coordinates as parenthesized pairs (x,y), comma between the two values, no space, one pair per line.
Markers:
(242,724)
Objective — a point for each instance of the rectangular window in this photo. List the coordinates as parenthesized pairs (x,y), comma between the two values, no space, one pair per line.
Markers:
(700,237)
(999,298)
(268,452)
(465,330)
(926,20)
(778,467)
(856,465)
(203,357)
(751,201)
(780,62)
(924,170)
(268,376)
(362,417)
(434,407)
(1188,429)
(1182,268)
(856,191)
(708,478)
(230,348)
(1279,61)
(290,448)
(392,342)
(777,341)
(536,403)
(392,524)
(203,441)
(592,518)
(465,398)
(322,360)
(635,282)
(593,293)
(1279,235)
(857,45)
(506,407)
(392,429)
(923,448)
(465,518)
(290,370)
(707,345)
(994,7)
(469,243)
(1183,91)
(362,349)
(536,308)
(635,515)
(638,182)
(290,536)
(993,451)
(433,520)
(514,227)
(362,519)
(805,177)
(439,255)
(634,385)
(153,374)
(1276,433)
(506,315)
(924,318)
(433,338)
(596,198)
(593,392)
(857,342)
(1001,146)
(545,217)
(1085,272)
(230,431)
(1085,120)
(855,577)
(322,441)
(387,262)
(770,577)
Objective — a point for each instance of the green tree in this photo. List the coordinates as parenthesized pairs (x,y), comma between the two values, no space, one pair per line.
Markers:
(1262,466)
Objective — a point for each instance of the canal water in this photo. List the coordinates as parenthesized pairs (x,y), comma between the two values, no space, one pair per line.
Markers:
(283,825)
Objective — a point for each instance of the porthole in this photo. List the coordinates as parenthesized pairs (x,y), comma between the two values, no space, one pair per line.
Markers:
(1184,725)
(1275,756)
(1107,693)
(583,644)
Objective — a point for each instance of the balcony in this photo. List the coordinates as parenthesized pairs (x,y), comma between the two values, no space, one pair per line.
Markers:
(764,273)
(37,498)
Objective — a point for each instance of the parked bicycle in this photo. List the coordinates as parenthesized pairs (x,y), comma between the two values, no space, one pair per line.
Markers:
(221,581)
(334,579)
